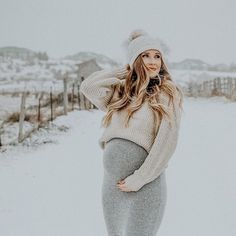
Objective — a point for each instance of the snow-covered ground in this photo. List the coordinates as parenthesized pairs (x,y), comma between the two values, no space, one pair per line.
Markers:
(55,189)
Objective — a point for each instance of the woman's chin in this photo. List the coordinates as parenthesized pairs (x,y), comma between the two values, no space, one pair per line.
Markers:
(153,74)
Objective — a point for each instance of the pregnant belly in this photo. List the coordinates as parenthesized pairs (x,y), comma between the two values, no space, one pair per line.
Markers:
(121,157)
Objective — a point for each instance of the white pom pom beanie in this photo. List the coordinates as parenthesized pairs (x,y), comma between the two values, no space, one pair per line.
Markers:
(140,41)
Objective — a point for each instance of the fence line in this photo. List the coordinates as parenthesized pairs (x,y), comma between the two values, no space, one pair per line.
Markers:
(49,106)
(225,86)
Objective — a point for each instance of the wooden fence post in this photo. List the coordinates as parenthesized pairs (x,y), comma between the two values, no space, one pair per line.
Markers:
(51,105)
(82,98)
(72,96)
(0,139)
(22,117)
(65,96)
(219,87)
(78,94)
(230,87)
(76,91)
(39,111)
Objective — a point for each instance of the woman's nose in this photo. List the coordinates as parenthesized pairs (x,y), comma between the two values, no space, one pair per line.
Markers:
(152,61)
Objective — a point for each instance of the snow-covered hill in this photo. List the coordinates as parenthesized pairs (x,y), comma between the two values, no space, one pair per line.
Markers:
(190,64)
(21,53)
(18,71)
(196,64)
(102,60)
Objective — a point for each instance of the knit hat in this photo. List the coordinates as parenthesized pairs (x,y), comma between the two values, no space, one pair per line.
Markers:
(138,42)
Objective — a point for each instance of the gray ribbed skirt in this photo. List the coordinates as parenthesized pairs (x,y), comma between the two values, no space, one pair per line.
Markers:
(130,213)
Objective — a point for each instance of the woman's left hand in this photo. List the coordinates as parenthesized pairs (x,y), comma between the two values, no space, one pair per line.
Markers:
(122,187)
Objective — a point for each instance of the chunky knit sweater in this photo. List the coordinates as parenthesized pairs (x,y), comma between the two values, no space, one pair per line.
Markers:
(99,89)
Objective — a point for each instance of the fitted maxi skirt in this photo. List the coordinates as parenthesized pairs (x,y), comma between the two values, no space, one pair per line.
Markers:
(130,213)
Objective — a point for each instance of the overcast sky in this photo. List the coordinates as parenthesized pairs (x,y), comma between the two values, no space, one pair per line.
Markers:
(201,29)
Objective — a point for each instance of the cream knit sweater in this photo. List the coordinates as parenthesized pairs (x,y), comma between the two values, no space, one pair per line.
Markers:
(99,89)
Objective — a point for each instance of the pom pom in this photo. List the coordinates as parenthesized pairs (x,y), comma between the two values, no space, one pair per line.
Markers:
(137,33)
(133,35)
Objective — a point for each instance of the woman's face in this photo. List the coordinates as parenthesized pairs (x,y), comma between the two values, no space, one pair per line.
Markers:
(152,61)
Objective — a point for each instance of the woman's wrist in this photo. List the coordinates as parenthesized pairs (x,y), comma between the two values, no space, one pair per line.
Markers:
(121,72)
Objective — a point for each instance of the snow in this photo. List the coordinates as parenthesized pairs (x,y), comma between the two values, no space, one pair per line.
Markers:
(55,188)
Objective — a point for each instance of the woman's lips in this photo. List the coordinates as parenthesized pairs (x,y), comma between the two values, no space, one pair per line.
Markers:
(152,68)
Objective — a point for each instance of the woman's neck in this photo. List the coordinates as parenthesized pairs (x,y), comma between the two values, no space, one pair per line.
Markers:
(154,77)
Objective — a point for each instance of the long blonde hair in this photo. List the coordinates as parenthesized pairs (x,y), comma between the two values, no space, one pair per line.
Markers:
(136,83)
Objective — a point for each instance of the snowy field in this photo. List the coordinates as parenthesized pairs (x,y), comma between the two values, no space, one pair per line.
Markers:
(55,189)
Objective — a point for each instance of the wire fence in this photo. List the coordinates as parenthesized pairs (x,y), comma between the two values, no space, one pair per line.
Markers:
(225,86)
(37,109)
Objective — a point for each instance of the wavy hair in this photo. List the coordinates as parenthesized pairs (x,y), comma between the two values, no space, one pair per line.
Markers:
(136,84)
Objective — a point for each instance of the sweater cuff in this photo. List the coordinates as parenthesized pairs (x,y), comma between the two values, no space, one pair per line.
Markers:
(134,182)
(120,72)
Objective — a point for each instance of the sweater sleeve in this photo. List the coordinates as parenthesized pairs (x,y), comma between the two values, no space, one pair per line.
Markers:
(162,149)
(99,86)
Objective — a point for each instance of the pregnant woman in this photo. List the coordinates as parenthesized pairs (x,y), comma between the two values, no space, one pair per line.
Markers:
(143,108)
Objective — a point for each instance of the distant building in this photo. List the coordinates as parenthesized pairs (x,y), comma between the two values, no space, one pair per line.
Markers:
(87,68)
(84,70)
